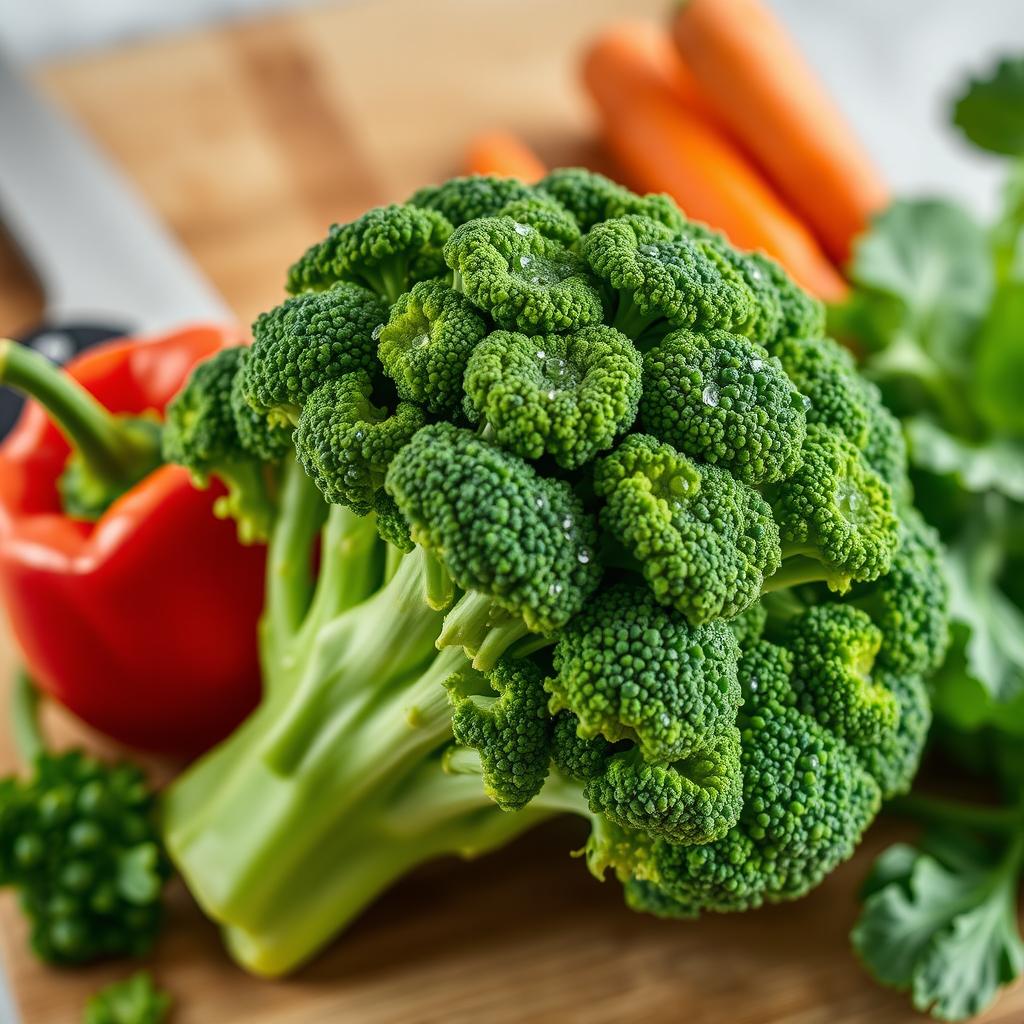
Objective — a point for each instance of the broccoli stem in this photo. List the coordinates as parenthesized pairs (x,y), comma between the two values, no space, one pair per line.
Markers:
(795,570)
(28,740)
(116,451)
(483,629)
(388,278)
(933,810)
(630,319)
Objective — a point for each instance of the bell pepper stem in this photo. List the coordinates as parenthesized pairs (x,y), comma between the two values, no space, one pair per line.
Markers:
(112,453)
(28,740)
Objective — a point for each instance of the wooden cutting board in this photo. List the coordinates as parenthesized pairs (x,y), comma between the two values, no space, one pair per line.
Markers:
(249,140)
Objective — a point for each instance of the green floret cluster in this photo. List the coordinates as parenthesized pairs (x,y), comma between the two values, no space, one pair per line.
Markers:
(574,510)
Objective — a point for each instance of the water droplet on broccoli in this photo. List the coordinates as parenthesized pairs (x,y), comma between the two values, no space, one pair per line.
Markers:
(710,395)
(522,229)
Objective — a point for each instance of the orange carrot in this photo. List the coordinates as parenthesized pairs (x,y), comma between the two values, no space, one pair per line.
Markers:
(504,155)
(765,92)
(653,123)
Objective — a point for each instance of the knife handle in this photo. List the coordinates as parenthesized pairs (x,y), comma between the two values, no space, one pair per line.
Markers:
(59,343)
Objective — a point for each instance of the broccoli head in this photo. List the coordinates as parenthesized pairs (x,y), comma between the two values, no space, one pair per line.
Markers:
(721,398)
(346,443)
(471,197)
(387,249)
(545,214)
(628,668)
(519,544)
(658,278)
(704,541)
(564,395)
(592,198)
(520,277)
(307,340)
(426,343)
(201,434)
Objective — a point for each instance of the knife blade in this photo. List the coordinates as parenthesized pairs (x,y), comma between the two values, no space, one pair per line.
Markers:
(105,263)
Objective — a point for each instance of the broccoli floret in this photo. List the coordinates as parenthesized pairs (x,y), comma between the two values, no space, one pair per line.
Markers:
(885,448)
(658,278)
(802,314)
(306,341)
(568,396)
(893,761)
(392,526)
(592,198)
(79,842)
(826,375)
(387,249)
(910,604)
(520,544)
(704,541)
(521,278)
(545,214)
(346,443)
(266,441)
(201,434)
(835,516)
(749,625)
(512,731)
(721,398)
(136,1000)
(426,343)
(477,195)
(631,669)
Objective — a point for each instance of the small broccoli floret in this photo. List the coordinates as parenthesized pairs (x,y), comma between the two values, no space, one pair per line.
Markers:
(519,544)
(806,801)
(523,279)
(893,761)
(545,214)
(766,315)
(910,604)
(306,341)
(392,526)
(477,195)
(631,669)
(512,731)
(346,443)
(704,542)
(749,625)
(135,1000)
(592,198)
(721,398)
(834,648)
(835,516)
(200,433)
(577,757)
(79,842)
(426,343)
(802,315)
(266,441)
(658,278)
(568,396)
(826,375)
(387,249)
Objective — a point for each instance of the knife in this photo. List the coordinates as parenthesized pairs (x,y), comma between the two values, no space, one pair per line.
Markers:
(105,263)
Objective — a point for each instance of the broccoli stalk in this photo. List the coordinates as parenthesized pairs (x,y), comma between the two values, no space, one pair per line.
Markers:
(110,454)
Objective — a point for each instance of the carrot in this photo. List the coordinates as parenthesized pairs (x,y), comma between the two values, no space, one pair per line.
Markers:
(656,127)
(765,92)
(504,155)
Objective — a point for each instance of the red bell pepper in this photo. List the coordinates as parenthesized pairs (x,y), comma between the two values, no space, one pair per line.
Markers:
(142,622)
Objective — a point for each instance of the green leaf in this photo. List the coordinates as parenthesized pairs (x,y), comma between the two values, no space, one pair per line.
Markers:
(998,381)
(133,1001)
(995,465)
(948,934)
(991,110)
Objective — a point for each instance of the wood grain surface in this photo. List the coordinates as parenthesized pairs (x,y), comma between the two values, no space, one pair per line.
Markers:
(249,141)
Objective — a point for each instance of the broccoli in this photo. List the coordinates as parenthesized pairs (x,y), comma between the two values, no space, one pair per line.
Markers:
(426,343)
(554,534)
(79,841)
(201,434)
(309,339)
(721,398)
(704,541)
(136,1000)
(477,195)
(592,198)
(564,395)
(521,278)
(386,250)
(658,278)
